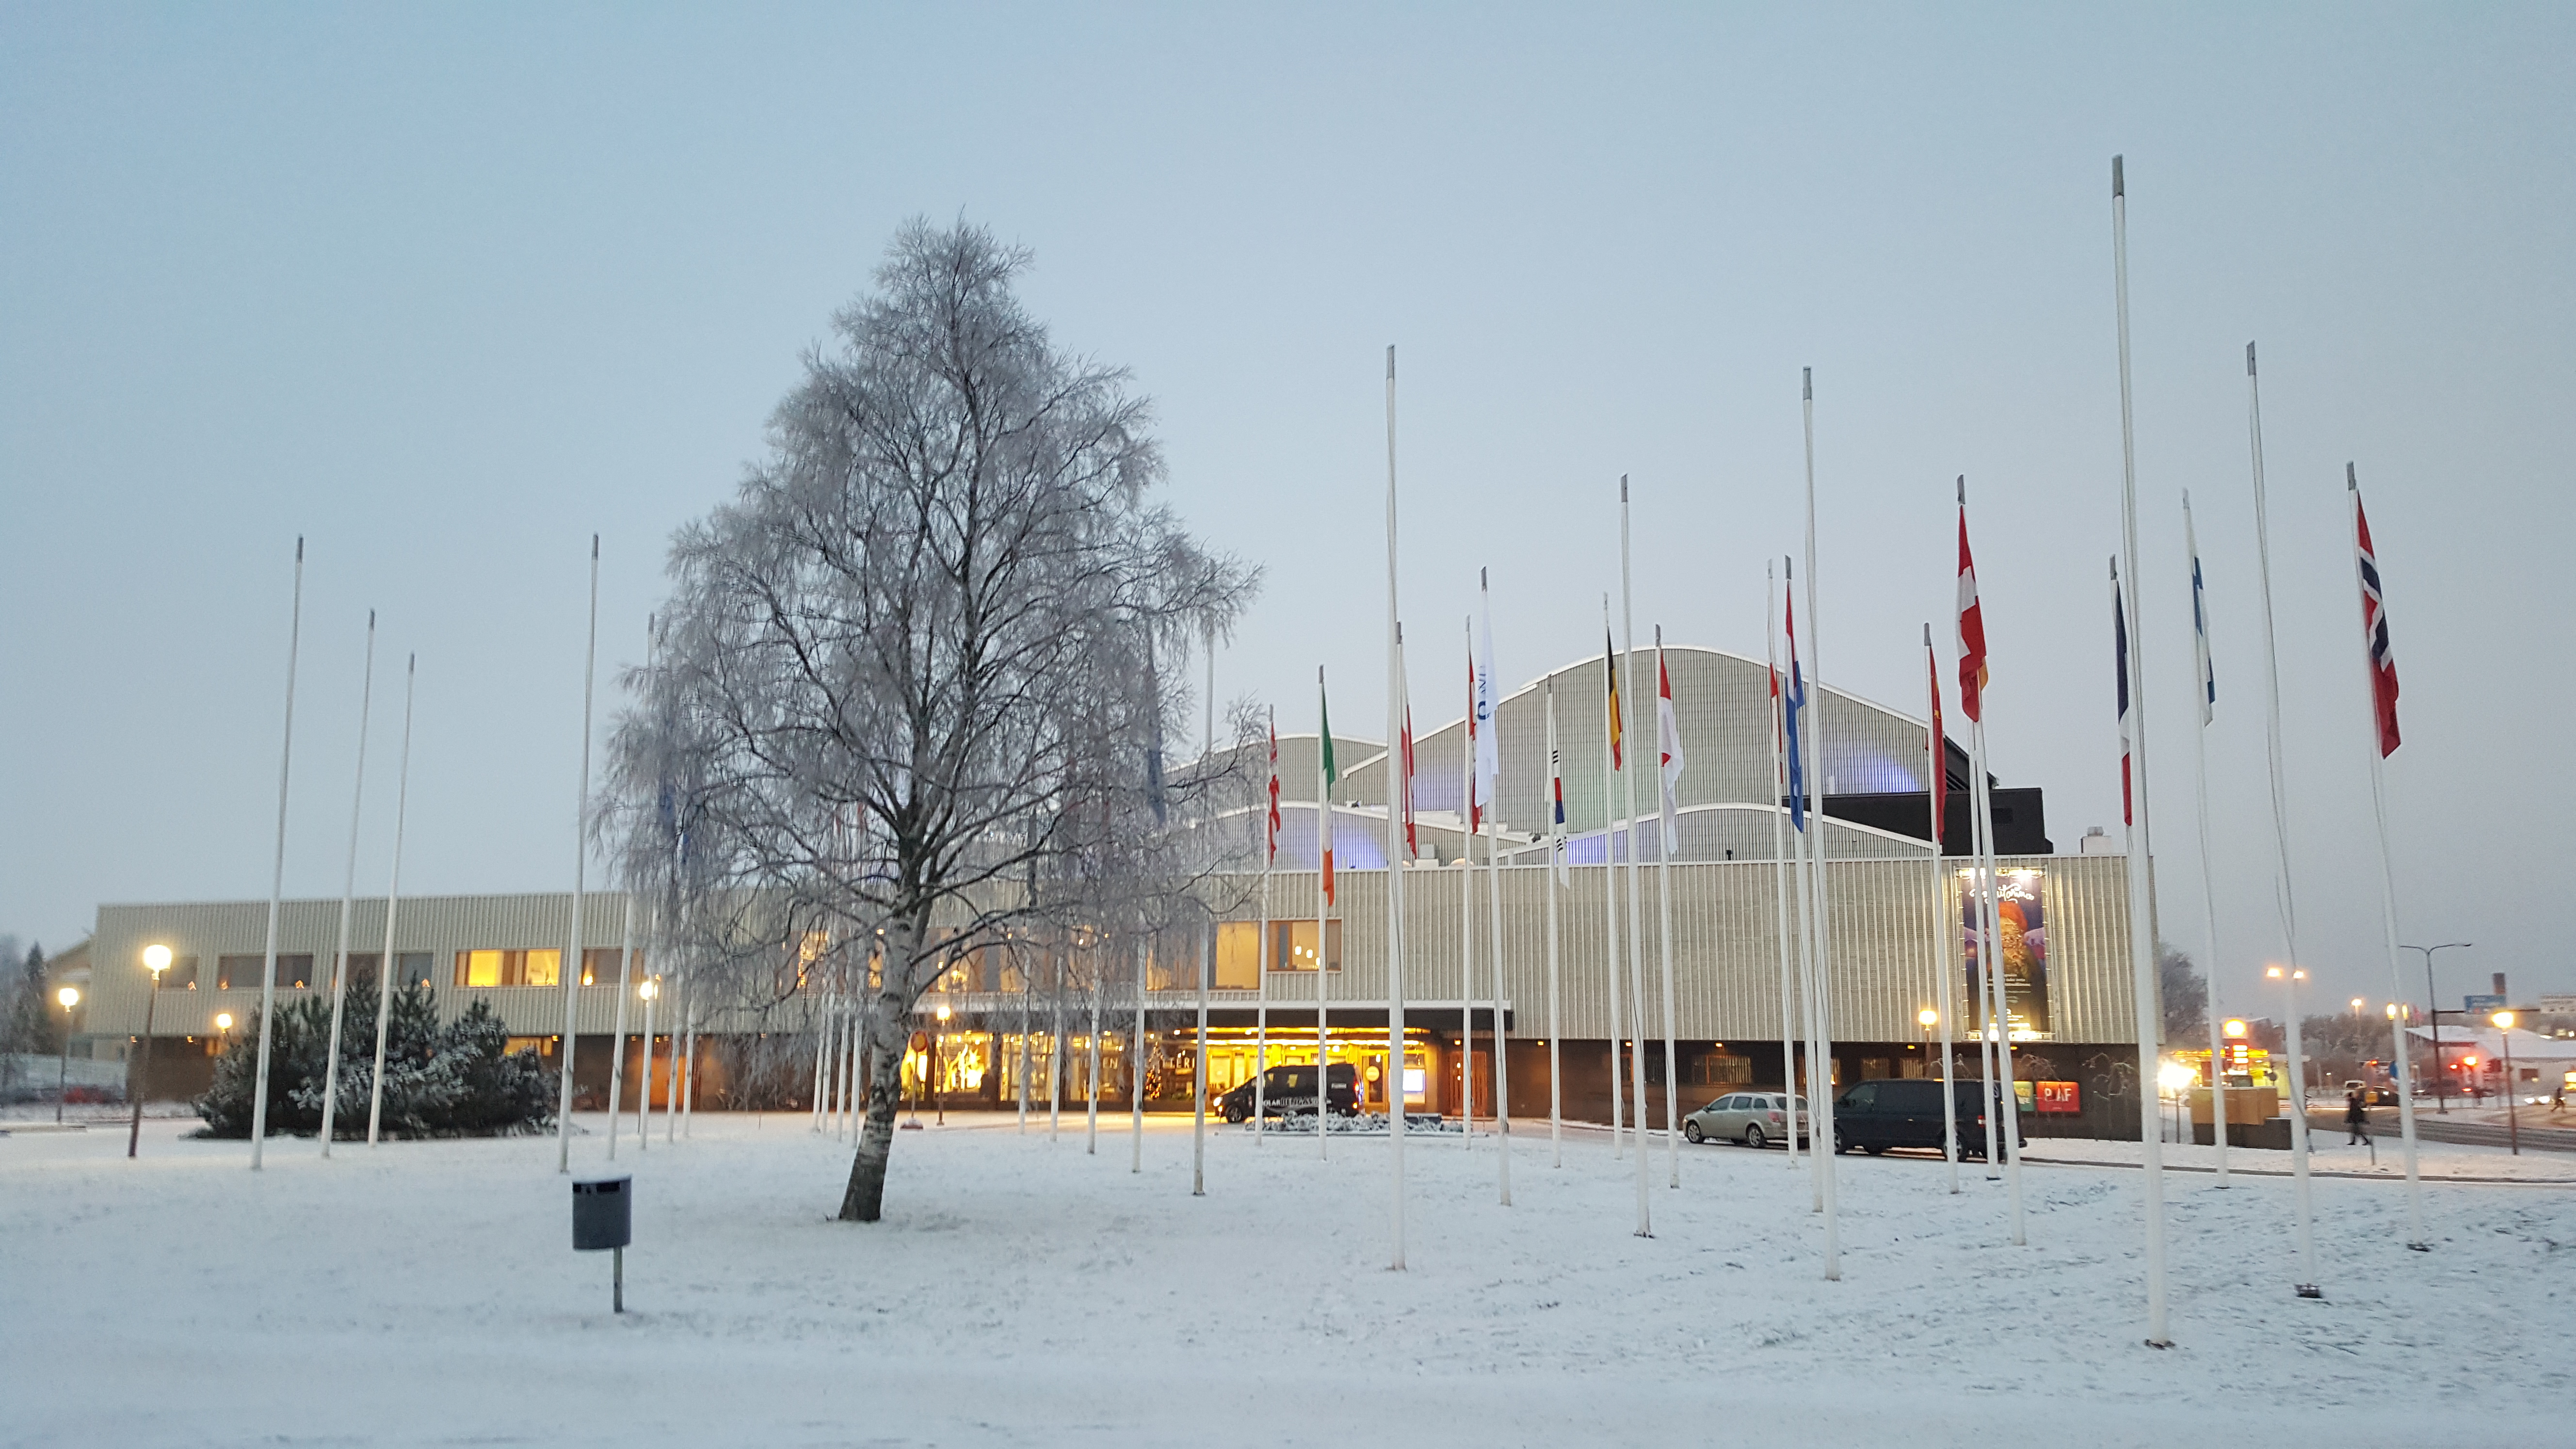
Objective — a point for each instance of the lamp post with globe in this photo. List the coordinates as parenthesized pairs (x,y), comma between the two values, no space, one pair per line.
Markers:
(2512,1115)
(644,1101)
(156,959)
(69,996)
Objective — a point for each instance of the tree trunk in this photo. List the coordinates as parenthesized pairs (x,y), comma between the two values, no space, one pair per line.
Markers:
(864,1200)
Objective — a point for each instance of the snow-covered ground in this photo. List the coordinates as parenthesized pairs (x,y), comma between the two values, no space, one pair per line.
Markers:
(1023,1292)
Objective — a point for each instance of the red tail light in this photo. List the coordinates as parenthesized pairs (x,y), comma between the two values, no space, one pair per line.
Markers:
(1776,1117)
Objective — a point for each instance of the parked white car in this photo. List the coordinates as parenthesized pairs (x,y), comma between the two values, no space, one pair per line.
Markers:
(1756,1119)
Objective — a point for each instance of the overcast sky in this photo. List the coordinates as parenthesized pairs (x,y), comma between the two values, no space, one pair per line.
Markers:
(447,289)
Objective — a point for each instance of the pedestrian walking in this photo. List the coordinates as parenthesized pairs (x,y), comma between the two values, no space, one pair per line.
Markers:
(2356,1116)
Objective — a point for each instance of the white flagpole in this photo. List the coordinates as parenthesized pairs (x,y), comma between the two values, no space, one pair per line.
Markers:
(644,1094)
(277,881)
(1323,916)
(2005,1113)
(2202,688)
(1198,1072)
(1819,1068)
(2283,896)
(625,988)
(349,897)
(1261,949)
(1394,859)
(1056,1048)
(676,1120)
(1816,852)
(1099,992)
(625,965)
(825,1026)
(1610,872)
(2142,889)
(1995,1032)
(1636,931)
(1467,905)
(853,1033)
(1664,904)
(1974,898)
(2405,1071)
(1135,1069)
(571,970)
(1494,913)
(393,897)
(1939,752)
(1555,947)
(1780,874)
(1028,1029)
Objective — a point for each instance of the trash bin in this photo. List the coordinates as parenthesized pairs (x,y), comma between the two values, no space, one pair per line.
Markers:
(603,1214)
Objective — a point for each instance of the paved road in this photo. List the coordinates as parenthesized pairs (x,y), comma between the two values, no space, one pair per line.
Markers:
(2484,1127)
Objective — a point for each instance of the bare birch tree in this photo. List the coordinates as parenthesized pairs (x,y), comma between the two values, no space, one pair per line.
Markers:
(910,668)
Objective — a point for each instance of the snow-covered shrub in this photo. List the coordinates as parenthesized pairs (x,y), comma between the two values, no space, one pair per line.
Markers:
(452,1081)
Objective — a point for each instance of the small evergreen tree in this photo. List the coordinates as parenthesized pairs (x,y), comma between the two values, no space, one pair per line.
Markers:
(34,1023)
(457,1080)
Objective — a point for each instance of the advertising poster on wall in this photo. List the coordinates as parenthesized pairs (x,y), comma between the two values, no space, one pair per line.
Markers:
(2021,943)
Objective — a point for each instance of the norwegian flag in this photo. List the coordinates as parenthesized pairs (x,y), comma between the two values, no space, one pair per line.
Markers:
(1972,623)
(1271,830)
(2374,623)
(1796,700)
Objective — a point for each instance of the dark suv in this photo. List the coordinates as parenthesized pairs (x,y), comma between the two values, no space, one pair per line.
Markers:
(1906,1112)
(1289,1090)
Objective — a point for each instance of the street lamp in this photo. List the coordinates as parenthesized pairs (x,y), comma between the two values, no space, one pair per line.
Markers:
(2404,1075)
(2357,1004)
(156,959)
(69,996)
(2512,1115)
(644,1104)
(2433,1004)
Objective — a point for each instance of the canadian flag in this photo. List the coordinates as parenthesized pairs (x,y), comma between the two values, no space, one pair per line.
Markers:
(1972,624)
(1668,728)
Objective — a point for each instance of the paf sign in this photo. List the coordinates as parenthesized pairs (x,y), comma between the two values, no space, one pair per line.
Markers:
(2059,1096)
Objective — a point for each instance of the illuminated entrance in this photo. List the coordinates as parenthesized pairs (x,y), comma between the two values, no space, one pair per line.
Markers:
(1232,1053)
(969,1067)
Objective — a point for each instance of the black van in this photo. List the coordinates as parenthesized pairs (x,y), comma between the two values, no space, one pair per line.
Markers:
(1906,1112)
(1290,1090)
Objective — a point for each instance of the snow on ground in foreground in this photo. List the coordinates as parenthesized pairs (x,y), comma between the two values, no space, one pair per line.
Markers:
(1021,1292)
